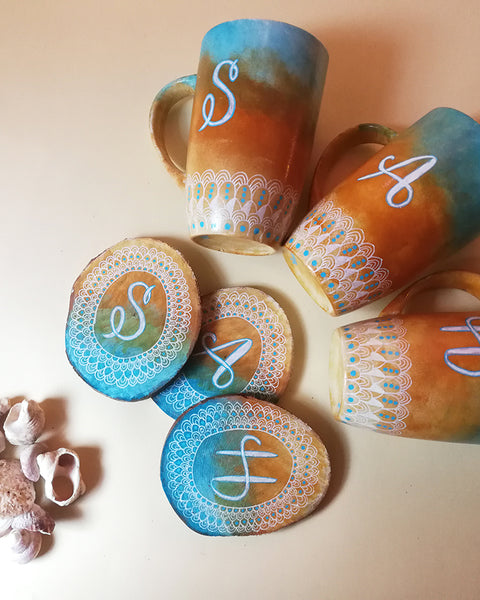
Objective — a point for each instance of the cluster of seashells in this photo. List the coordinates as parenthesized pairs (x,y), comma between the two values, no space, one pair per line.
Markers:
(22,521)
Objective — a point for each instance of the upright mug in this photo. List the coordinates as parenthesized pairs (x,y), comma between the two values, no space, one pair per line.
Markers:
(414,202)
(411,375)
(256,96)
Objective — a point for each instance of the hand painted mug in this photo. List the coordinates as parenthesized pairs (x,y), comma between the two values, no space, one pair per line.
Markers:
(256,100)
(411,375)
(412,203)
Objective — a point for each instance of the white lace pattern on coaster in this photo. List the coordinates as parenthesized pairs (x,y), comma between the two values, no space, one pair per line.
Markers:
(234,203)
(274,353)
(123,371)
(181,448)
(377,376)
(336,251)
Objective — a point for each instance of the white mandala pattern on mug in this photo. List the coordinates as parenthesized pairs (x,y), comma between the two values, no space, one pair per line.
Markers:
(336,251)
(226,203)
(377,380)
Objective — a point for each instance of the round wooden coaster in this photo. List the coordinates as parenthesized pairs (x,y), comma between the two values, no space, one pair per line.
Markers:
(244,346)
(239,466)
(134,318)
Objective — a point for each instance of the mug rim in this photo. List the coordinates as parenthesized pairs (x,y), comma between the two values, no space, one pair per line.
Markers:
(269,22)
(451,110)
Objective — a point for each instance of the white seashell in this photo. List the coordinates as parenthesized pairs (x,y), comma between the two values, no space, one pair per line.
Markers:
(24,423)
(24,545)
(36,519)
(57,467)
(2,442)
(4,405)
(28,460)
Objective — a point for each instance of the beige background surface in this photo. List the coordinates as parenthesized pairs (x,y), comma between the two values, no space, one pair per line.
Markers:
(78,173)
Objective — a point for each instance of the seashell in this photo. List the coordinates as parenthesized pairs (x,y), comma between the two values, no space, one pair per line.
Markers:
(24,545)
(24,423)
(2,442)
(36,519)
(4,405)
(17,493)
(28,460)
(57,468)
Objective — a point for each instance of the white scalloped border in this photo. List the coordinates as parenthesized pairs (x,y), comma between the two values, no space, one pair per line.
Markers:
(336,251)
(84,349)
(275,347)
(305,487)
(377,376)
(213,211)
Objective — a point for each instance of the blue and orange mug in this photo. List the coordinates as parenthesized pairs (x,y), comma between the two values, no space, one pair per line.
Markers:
(411,375)
(412,203)
(256,94)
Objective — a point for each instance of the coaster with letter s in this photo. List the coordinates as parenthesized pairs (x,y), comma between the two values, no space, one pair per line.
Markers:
(244,347)
(236,465)
(134,318)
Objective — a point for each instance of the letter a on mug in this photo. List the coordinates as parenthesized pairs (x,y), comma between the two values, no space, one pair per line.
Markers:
(414,202)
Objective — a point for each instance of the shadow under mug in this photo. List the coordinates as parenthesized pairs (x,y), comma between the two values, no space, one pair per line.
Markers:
(412,203)
(256,99)
(411,375)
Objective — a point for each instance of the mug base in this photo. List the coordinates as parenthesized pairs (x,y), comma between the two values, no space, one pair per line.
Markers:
(336,374)
(234,244)
(309,281)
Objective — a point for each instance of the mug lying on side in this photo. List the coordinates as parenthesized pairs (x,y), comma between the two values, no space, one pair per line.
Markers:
(414,202)
(413,375)
(256,100)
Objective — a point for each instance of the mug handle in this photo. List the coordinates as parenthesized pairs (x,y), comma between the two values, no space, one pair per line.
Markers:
(461,280)
(167,97)
(365,133)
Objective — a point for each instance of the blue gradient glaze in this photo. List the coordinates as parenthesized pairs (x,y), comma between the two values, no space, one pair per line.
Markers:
(189,80)
(454,138)
(239,466)
(474,439)
(190,387)
(120,392)
(241,38)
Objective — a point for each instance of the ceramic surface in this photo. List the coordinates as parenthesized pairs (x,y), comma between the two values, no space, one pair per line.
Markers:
(411,375)
(413,203)
(256,100)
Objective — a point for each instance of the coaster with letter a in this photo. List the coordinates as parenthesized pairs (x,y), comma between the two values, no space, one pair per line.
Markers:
(134,318)
(236,465)
(244,347)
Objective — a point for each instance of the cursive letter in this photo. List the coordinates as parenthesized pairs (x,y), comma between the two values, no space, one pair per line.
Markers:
(210,98)
(117,328)
(403,183)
